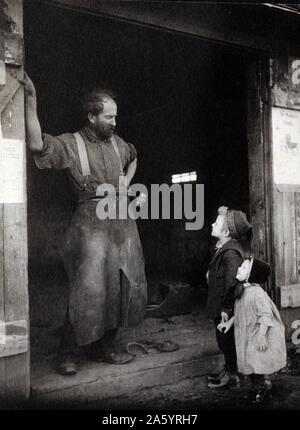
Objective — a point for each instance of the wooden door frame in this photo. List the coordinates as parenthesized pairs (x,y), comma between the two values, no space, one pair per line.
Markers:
(14,303)
(260,163)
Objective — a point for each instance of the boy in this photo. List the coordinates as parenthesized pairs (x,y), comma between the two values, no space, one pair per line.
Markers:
(230,228)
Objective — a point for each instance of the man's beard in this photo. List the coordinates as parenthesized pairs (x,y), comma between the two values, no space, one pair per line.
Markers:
(104,132)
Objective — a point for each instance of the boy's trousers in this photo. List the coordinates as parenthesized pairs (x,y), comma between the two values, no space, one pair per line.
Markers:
(226,344)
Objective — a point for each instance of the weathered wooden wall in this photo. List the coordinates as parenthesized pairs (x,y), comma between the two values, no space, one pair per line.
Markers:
(286,205)
(14,369)
(259,162)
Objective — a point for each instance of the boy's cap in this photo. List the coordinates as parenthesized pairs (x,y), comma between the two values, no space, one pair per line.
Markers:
(260,272)
(238,224)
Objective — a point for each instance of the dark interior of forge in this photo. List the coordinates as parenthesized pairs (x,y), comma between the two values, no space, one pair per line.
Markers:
(181,102)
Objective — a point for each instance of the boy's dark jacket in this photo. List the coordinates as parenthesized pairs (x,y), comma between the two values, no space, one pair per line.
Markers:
(222,280)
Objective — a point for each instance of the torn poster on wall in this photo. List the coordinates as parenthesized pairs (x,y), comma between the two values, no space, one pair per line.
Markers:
(286,148)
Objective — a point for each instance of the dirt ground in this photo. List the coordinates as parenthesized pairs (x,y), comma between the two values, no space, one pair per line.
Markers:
(196,396)
(193,394)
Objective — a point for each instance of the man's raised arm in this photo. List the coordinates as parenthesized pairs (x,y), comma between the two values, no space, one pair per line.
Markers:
(33,128)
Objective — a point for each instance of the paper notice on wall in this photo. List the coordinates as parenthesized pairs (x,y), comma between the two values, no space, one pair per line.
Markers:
(286,146)
(13,338)
(11,171)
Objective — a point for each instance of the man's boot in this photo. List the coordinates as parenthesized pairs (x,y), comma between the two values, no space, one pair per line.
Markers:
(104,350)
(67,365)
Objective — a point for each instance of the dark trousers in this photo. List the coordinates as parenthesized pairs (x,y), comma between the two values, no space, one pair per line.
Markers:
(226,344)
(67,340)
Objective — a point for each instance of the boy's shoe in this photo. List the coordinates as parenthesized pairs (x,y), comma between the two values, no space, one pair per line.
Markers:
(215,377)
(229,379)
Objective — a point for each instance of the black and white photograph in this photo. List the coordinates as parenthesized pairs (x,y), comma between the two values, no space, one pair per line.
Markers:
(149,208)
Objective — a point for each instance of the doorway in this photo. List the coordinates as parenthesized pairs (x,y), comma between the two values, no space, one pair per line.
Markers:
(182,103)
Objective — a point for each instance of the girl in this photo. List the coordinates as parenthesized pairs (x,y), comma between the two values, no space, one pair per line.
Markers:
(258,329)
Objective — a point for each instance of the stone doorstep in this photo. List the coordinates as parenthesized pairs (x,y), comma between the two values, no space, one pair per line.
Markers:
(102,381)
(197,356)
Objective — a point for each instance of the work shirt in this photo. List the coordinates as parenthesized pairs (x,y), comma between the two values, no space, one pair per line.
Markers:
(60,153)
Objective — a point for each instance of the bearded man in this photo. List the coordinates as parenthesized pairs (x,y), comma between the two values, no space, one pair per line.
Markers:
(103,257)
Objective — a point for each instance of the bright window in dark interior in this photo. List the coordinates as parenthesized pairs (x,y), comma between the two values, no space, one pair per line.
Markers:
(184,177)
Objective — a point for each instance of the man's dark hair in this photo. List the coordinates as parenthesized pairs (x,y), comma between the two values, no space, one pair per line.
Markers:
(92,102)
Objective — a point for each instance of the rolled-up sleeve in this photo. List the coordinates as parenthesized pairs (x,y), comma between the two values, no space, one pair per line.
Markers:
(132,153)
(54,155)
